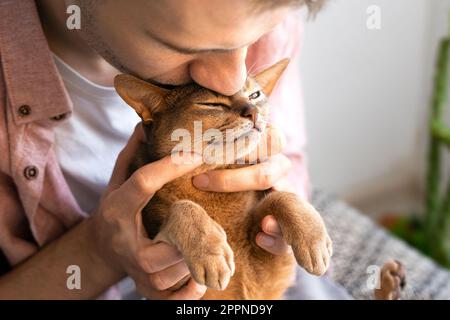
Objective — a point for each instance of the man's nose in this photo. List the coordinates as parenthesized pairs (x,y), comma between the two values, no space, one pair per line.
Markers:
(224,73)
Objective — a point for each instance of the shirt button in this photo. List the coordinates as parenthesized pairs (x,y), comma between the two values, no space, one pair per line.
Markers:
(31,172)
(24,110)
(58,117)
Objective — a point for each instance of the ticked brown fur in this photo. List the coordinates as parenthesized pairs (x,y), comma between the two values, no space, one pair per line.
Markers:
(216,232)
(392,281)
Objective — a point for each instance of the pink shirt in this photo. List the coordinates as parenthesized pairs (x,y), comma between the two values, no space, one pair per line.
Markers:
(36,204)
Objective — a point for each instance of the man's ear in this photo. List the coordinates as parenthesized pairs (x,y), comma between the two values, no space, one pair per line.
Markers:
(143,97)
(269,77)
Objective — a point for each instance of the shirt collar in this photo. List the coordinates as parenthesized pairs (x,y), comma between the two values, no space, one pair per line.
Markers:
(30,74)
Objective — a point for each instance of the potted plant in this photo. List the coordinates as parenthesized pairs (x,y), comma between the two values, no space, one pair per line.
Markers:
(430,232)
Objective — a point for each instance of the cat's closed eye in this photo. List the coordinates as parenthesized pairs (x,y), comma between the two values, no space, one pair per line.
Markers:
(214,104)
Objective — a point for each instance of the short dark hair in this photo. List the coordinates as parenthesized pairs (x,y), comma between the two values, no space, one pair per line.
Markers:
(313,5)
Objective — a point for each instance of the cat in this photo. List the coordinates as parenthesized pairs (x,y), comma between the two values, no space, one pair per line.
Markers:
(215,232)
(392,281)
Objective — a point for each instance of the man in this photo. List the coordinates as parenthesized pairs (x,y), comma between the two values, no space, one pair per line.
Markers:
(62,127)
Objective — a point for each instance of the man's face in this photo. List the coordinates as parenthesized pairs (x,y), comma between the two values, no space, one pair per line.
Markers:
(178,41)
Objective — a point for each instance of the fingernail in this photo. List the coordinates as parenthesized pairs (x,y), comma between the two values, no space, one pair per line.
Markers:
(201,289)
(266,241)
(201,181)
(270,226)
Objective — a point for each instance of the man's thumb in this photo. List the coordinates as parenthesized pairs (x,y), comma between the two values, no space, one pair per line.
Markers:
(120,172)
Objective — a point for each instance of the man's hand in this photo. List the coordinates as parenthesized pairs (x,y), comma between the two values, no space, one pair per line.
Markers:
(268,174)
(121,237)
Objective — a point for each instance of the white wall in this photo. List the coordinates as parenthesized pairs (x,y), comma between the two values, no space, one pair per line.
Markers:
(367,92)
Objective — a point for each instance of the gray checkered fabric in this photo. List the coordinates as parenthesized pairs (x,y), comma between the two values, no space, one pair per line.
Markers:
(360,243)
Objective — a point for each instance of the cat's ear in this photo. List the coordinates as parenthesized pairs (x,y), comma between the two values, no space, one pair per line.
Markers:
(143,97)
(269,77)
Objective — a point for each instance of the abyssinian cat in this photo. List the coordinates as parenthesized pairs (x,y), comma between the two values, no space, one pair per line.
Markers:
(215,232)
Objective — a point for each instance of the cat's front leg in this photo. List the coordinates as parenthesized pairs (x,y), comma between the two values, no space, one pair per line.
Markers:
(302,228)
(202,242)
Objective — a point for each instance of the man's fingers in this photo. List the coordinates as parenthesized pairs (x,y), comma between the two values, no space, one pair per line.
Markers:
(145,181)
(191,291)
(124,158)
(270,226)
(168,277)
(273,244)
(157,257)
(271,239)
(256,177)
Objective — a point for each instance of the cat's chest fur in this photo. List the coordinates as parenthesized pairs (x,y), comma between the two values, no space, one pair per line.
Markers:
(230,209)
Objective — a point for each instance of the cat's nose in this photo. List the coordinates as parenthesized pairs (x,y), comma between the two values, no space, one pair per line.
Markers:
(250,112)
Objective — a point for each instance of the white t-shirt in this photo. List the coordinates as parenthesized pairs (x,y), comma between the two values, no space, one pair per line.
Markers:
(87,144)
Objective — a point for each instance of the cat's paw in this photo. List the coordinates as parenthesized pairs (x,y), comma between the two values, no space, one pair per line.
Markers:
(313,251)
(308,237)
(211,261)
(392,281)
(303,229)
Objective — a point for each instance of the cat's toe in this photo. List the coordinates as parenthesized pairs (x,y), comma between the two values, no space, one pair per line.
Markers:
(214,270)
(303,257)
(224,274)
(320,260)
(326,259)
(329,247)
(218,274)
(314,258)
(229,258)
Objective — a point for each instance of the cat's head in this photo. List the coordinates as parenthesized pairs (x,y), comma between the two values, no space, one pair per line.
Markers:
(192,118)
